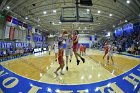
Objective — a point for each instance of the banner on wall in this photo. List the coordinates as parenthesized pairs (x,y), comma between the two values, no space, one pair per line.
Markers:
(25,25)
(20,23)
(90,37)
(11,33)
(15,21)
(8,18)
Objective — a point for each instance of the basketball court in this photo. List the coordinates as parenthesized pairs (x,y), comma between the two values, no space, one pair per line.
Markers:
(37,35)
(41,67)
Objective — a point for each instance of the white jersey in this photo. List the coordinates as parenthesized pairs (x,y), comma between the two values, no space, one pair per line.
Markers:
(111,48)
(56,47)
(69,43)
(49,48)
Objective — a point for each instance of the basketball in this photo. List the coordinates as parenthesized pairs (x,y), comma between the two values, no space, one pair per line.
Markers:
(65,32)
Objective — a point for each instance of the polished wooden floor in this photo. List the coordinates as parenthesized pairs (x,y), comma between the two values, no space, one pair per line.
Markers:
(41,67)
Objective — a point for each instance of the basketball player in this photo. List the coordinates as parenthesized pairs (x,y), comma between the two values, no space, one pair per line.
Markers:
(75,47)
(110,53)
(81,49)
(106,50)
(68,50)
(60,58)
(49,48)
(84,49)
(56,49)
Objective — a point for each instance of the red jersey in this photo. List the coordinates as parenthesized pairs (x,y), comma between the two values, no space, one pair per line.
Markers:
(81,48)
(106,48)
(75,44)
(74,38)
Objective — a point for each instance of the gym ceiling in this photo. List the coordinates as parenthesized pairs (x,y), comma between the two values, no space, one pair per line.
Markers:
(45,14)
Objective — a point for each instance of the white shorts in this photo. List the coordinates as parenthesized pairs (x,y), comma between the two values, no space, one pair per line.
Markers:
(110,54)
(55,50)
(68,52)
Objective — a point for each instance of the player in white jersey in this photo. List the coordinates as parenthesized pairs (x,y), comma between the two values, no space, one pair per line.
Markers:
(69,49)
(56,49)
(49,49)
(110,53)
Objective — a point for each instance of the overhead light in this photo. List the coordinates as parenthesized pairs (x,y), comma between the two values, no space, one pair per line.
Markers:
(128,1)
(99,11)
(54,11)
(8,7)
(88,10)
(110,14)
(113,25)
(126,21)
(38,25)
(26,17)
(60,22)
(53,23)
(44,12)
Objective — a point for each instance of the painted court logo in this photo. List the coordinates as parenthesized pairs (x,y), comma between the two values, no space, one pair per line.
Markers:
(126,83)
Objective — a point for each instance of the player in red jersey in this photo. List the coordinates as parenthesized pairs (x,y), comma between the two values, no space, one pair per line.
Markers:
(84,49)
(75,47)
(81,49)
(106,50)
(60,58)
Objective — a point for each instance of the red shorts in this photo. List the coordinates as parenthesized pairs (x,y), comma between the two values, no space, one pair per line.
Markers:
(75,48)
(60,60)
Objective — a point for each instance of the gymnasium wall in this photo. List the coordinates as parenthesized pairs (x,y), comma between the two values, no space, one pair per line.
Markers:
(84,39)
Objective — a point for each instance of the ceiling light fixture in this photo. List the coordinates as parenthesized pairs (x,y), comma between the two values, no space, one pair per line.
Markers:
(54,11)
(110,14)
(44,12)
(114,26)
(88,10)
(126,21)
(8,7)
(128,1)
(99,11)
(26,18)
